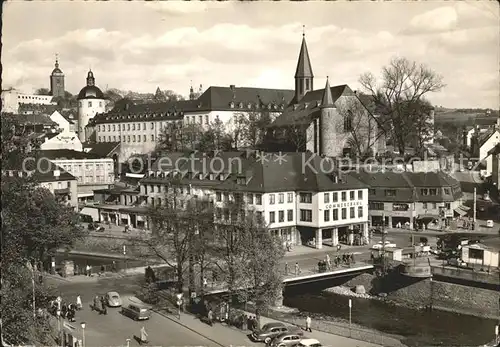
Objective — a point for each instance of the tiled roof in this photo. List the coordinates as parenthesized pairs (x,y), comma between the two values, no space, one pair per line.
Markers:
(36,119)
(486,136)
(102,149)
(304,68)
(213,99)
(44,170)
(55,154)
(309,107)
(290,174)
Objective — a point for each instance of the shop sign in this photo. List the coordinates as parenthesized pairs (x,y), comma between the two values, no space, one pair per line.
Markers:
(344,204)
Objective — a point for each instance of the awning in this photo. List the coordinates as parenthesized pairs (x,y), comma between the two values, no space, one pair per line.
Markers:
(428,216)
(460,211)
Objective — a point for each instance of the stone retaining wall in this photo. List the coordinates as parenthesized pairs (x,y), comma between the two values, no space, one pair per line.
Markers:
(441,295)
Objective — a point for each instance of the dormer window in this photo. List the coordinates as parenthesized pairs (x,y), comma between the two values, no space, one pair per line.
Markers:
(275,107)
(241,180)
(200,176)
(240,105)
(249,105)
(282,106)
(269,106)
(231,104)
(221,177)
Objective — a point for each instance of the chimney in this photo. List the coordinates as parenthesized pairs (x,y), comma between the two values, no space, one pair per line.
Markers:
(57,173)
(233,87)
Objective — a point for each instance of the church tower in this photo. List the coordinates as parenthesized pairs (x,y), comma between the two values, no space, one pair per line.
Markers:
(57,81)
(303,74)
(327,131)
(192,95)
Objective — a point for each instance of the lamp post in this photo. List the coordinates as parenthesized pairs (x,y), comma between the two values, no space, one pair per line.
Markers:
(128,342)
(350,316)
(83,324)
(58,313)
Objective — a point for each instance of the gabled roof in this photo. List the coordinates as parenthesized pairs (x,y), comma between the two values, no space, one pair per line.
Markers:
(495,150)
(34,119)
(43,170)
(55,154)
(102,149)
(270,175)
(304,68)
(487,135)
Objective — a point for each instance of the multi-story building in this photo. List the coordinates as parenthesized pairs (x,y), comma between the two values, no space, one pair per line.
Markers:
(495,166)
(90,170)
(58,181)
(57,81)
(294,196)
(139,126)
(66,122)
(62,141)
(12,99)
(398,199)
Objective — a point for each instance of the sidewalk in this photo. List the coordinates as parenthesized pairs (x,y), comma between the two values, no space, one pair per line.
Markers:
(225,335)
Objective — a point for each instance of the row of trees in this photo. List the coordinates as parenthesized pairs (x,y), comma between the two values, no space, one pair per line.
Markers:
(192,236)
(34,226)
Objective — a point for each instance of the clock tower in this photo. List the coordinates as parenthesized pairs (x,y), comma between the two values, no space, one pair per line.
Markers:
(57,81)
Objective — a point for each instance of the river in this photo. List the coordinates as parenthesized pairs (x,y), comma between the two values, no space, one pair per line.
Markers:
(419,328)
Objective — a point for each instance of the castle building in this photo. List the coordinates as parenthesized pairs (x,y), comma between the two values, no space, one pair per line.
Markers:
(57,81)
(91,101)
(334,121)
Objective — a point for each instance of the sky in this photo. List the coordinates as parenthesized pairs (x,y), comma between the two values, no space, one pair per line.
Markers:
(140,46)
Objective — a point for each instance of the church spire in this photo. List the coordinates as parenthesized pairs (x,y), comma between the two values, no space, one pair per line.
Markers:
(90,78)
(57,61)
(303,74)
(327,100)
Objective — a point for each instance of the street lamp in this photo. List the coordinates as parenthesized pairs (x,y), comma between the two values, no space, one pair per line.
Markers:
(83,324)
(58,313)
(128,342)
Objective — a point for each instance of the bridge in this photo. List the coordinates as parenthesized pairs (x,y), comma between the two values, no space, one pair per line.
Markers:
(309,276)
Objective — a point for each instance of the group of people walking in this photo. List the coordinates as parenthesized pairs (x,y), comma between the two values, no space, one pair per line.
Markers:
(100,305)
(58,307)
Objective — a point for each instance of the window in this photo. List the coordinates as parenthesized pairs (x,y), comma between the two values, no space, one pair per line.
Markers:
(290,215)
(143,126)
(206,119)
(307,84)
(351,195)
(306,198)
(400,207)
(99,139)
(424,191)
(152,138)
(128,126)
(433,191)
(100,103)
(360,211)
(390,192)
(335,197)
(372,191)
(348,122)
(133,126)
(424,205)
(138,138)
(281,216)
(447,191)
(200,118)
(133,138)
(123,138)
(376,206)
(258,199)
(272,217)
(250,199)
(109,127)
(360,195)
(476,253)
(152,125)
(289,197)
(272,199)
(98,128)
(344,196)
(352,212)
(434,205)
(447,205)
(344,213)
(335,214)
(114,127)
(128,138)
(144,138)
(306,215)
(90,103)
(109,138)
(218,196)
(281,198)
(326,215)
(327,198)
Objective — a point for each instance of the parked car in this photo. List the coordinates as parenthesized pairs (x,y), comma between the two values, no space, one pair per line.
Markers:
(113,299)
(136,312)
(309,343)
(286,339)
(489,223)
(457,262)
(271,330)
(380,245)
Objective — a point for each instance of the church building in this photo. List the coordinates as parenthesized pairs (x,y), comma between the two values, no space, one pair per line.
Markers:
(91,101)
(57,81)
(334,121)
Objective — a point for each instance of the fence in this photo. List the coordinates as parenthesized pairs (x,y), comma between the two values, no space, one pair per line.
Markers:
(467,274)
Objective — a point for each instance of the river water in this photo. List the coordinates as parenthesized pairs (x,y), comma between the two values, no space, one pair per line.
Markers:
(419,328)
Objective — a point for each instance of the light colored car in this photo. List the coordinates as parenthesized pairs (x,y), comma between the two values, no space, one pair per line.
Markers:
(136,312)
(309,343)
(489,223)
(286,339)
(380,245)
(270,330)
(113,299)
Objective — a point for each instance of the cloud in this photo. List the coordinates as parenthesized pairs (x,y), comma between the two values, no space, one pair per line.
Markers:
(437,20)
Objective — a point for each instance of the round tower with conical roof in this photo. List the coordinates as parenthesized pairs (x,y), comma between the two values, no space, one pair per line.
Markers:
(57,81)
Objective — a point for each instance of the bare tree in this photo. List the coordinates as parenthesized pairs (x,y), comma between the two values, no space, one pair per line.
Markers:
(361,130)
(252,127)
(181,137)
(404,84)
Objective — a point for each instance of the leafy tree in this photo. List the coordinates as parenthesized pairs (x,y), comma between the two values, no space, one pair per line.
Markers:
(399,97)
(179,137)
(42,91)
(215,138)
(252,128)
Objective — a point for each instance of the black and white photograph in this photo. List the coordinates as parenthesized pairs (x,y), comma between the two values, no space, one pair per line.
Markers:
(250,173)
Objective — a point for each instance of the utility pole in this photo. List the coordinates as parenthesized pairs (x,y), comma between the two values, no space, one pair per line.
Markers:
(475,210)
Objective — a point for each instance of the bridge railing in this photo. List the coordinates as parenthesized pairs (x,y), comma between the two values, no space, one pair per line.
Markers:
(292,272)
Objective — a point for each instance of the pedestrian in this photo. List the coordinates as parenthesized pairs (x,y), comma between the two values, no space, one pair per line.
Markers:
(104,306)
(77,269)
(78,303)
(144,336)
(210,317)
(205,282)
(297,269)
(338,247)
(328,262)
(308,324)
(352,258)
(102,271)
(96,304)
(286,268)
(113,267)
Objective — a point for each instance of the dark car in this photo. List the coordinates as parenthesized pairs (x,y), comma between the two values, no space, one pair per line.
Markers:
(271,330)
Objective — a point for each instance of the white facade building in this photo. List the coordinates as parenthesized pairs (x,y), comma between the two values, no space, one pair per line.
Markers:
(64,124)
(12,98)
(64,140)
(489,142)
